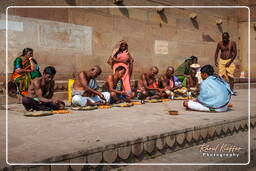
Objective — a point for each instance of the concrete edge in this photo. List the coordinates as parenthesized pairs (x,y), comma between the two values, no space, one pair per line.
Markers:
(144,147)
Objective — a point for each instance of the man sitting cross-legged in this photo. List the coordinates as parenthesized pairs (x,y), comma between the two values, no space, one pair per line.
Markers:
(192,83)
(40,93)
(115,86)
(169,82)
(85,89)
(148,86)
(214,94)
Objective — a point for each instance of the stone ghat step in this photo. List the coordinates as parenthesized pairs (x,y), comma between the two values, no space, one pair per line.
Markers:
(194,155)
(144,147)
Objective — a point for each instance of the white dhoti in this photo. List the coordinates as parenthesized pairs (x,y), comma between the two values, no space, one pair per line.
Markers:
(199,107)
(80,100)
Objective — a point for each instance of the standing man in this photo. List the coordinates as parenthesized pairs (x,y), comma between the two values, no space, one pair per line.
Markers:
(227,56)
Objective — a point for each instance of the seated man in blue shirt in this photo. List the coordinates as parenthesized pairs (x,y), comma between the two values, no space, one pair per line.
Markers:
(214,95)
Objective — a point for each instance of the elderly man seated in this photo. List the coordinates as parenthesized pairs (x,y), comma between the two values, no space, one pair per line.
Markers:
(85,89)
(214,95)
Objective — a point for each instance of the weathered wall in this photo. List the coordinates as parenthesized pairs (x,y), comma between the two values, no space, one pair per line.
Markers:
(243,31)
(61,37)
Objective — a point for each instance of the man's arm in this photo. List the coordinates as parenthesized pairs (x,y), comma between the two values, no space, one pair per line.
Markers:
(216,54)
(84,82)
(234,52)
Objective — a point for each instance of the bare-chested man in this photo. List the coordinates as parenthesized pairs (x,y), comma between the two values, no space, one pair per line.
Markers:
(40,93)
(149,85)
(227,56)
(169,82)
(85,89)
(115,86)
(192,83)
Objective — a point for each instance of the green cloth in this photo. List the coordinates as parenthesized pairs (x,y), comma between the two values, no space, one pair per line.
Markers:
(182,69)
(183,80)
(119,85)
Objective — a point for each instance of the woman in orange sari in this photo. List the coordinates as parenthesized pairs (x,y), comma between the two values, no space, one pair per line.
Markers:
(121,57)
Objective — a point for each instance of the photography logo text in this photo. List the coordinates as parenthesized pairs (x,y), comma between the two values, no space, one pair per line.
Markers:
(220,150)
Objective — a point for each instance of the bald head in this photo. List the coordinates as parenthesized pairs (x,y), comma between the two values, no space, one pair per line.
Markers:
(169,70)
(95,71)
(154,71)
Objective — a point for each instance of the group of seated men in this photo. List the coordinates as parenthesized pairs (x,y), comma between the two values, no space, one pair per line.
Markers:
(213,95)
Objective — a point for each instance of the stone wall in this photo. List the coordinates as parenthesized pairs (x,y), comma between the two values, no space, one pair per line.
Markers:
(74,39)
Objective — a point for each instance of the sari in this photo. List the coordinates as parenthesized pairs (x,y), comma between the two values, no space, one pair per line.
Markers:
(123,56)
(24,78)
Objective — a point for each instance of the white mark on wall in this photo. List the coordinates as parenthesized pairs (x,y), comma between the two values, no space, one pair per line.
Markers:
(12,25)
(64,35)
(161,47)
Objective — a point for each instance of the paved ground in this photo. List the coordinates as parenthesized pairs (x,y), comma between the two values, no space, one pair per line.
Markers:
(32,139)
(193,155)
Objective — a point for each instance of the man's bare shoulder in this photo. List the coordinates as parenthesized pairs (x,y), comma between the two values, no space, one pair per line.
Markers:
(220,43)
(37,80)
(233,42)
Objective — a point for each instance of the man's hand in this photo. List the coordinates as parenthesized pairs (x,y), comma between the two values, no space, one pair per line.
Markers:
(216,63)
(102,96)
(56,101)
(124,93)
(30,58)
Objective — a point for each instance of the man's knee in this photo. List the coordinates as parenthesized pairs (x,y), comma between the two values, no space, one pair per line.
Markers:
(185,103)
(113,94)
(107,96)
(79,100)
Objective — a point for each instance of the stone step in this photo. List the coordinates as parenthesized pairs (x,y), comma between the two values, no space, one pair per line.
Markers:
(193,154)
(143,148)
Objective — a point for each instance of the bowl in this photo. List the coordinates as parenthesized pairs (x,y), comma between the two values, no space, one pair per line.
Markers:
(173,112)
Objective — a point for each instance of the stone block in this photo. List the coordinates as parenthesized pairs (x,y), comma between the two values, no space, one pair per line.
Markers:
(124,152)
(231,127)
(137,149)
(81,160)
(121,26)
(211,131)
(110,156)
(170,140)
(204,132)
(94,158)
(189,136)
(59,167)
(225,128)
(196,134)
(55,14)
(180,138)
(149,146)
(91,17)
(40,168)
(138,14)
(160,143)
